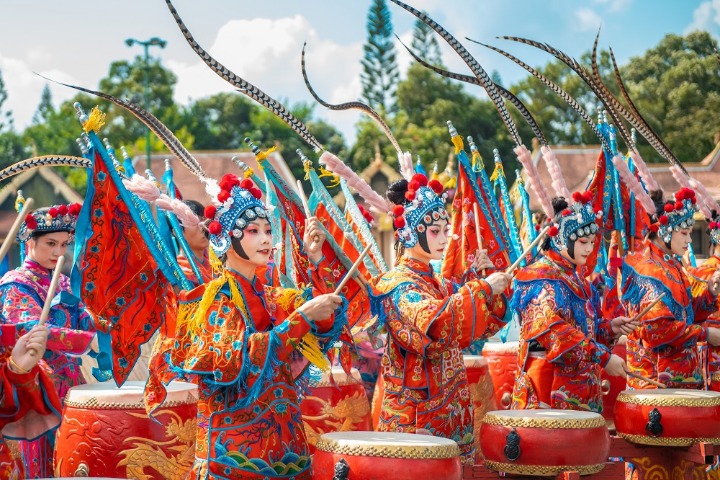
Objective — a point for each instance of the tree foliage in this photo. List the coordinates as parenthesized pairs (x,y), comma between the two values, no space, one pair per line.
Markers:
(380,74)
(424,43)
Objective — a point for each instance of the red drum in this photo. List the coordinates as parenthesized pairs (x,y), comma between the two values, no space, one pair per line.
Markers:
(339,408)
(106,432)
(715,382)
(502,363)
(481,393)
(544,442)
(669,417)
(612,386)
(400,456)
(377,401)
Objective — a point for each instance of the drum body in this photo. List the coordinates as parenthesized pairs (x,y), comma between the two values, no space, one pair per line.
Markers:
(668,417)
(106,432)
(335,408)
(400,456)
(544,442)
(715,382)
(481,393)
(502,364)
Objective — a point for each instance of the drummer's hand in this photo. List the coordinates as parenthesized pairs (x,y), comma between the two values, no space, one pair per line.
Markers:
(30,348)
(321,307)
(623,325)
(498,281)
(314,237)
(482,261)
(714,284)
(713,336)
(615,366)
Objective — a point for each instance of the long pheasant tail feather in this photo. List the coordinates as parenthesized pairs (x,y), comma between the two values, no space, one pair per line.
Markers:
(593,57)
(149,120)
(509,96)
(479,72)
(655,141)
(644,171)
(244,86)
(43,161)
(366,109)
(555,88)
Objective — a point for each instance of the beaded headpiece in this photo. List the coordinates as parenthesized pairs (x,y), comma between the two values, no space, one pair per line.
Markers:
(239,204)
(59,218)
(576,221)
(677,216)
(714,228)
(426,205)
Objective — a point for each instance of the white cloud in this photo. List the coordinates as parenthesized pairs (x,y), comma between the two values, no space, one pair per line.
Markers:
(266,53)
(614,5)
(587,20)
(705,17)
(25,88)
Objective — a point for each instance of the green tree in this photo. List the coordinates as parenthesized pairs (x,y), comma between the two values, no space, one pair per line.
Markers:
(11,146)
(220,122)
(45,109)
(425,44)
(380,72)
(676,87)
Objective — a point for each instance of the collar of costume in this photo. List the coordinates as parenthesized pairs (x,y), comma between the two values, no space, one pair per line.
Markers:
(426,205)
(678,216)
(554,267)
(576,221)
(236,197)
(59,218)
(421,268)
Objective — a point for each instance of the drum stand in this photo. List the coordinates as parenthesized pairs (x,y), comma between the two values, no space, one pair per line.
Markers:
(650,463)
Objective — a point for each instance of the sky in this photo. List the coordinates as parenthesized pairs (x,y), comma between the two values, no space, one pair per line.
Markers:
(75,41)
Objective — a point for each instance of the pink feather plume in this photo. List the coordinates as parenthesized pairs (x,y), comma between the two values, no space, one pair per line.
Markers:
(536,184)
(633,184)
(553,166)
(335,165)
(705,199)
(185,216)
(143,188)
(644,171)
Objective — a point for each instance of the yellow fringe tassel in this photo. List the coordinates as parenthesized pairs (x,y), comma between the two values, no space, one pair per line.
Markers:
(248,172)
(309,346)
(265,154)
(95,121)
(458,142)
(497,172)
(327,173)
(477,161)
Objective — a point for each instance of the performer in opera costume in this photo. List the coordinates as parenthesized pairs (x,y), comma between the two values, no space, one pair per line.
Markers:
(197,239)
(698,276)
(235,337)
(664,347)
(30,406)
(46,234)
(429,322)
(564,341)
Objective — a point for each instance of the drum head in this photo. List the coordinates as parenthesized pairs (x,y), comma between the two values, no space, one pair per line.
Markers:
(670,397)
(339,376)
(388,444)
(130,395)
(500,348)
(474,361)
(544,418)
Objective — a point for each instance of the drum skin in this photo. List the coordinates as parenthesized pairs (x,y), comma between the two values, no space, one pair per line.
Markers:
(335,408)
(376,455)
(481,393)
(544,442)
(105,432)
(668,417)
(502,364)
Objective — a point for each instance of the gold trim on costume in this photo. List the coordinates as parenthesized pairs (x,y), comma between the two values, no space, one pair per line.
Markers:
(94,404)
(715,377)
(545,470)
(669,400)
(667,441)
(389,451)
(544,422)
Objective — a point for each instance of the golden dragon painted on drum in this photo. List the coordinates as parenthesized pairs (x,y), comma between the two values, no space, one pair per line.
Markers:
(147,454)
(340,417)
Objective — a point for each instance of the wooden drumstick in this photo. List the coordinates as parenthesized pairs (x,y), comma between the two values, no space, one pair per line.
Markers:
(648,308)
(528,250)
(352,270)
(477,230)
(15,228)
(51,290)
(648,380)
(306,207)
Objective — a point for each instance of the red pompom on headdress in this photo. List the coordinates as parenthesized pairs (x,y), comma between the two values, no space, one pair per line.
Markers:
(74,209)
(553,232)
(436,186)
(30,222)
(214,228)
(210,211)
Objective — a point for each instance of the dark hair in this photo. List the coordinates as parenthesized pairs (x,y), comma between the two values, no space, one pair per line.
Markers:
(196,208)
(396,194)
(657,197)
(559,204)
(41,233)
